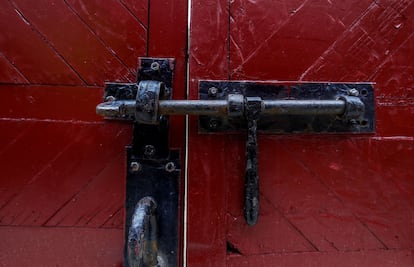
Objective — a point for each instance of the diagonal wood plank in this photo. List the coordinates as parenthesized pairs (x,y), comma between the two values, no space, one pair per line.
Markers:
(139,9)
(360,50)
(116,27)
(28,52)
(27,157)
(59,103)
(298,197)
(9,73)
(64,246)
(299,35)
(85,209)
(83,158)
(390,258)
(77,44)
(373,189)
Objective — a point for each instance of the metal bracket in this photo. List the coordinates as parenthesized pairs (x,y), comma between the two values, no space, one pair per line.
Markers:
(291,117)
(153,170)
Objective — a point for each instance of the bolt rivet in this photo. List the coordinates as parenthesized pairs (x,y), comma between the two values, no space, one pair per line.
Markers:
(170,166)
(155,66)
(135,166)
(110,98)
(212,91)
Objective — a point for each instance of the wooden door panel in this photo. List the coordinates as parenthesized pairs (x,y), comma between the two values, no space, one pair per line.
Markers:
(74,41)
(18,50)
(346,259)
(63,167)
(286,36)
(325,200)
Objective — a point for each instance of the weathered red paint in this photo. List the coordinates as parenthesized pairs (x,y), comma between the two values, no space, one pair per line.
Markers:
(46,246)
(325,200)
(62,184)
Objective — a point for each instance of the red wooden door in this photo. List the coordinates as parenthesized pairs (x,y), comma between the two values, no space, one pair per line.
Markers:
(62,180)
(325,200)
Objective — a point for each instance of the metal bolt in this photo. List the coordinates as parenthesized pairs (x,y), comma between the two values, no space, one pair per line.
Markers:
(155,66)
(353,92)
(135,166)
(213,124)
(212,91)
(149,151)
(170,166)
(110,98)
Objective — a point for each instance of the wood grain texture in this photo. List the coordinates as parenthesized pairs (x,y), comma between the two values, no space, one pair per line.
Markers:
(49,169)
(389,258)
(29,53)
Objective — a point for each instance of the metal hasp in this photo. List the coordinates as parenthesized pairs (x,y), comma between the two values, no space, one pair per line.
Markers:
(153,170)
(226,106)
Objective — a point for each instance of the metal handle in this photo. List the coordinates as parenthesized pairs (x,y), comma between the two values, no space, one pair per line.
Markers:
(142,247)
(251,180)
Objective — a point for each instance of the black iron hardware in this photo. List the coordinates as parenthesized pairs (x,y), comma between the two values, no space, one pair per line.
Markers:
(227,106)
(153,172)
(284,108)
(142,246)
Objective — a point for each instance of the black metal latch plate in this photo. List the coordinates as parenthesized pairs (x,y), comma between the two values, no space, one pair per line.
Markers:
(289,91)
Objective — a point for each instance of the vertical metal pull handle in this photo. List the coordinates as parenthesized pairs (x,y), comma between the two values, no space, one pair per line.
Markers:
(142,247)
(253,107)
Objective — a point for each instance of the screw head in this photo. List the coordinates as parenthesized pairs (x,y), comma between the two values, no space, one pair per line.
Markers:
(155,66)
(353,92)
(170,166)
(135,166)
(149,151)
(110,98)
(212,91)
(213,124)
